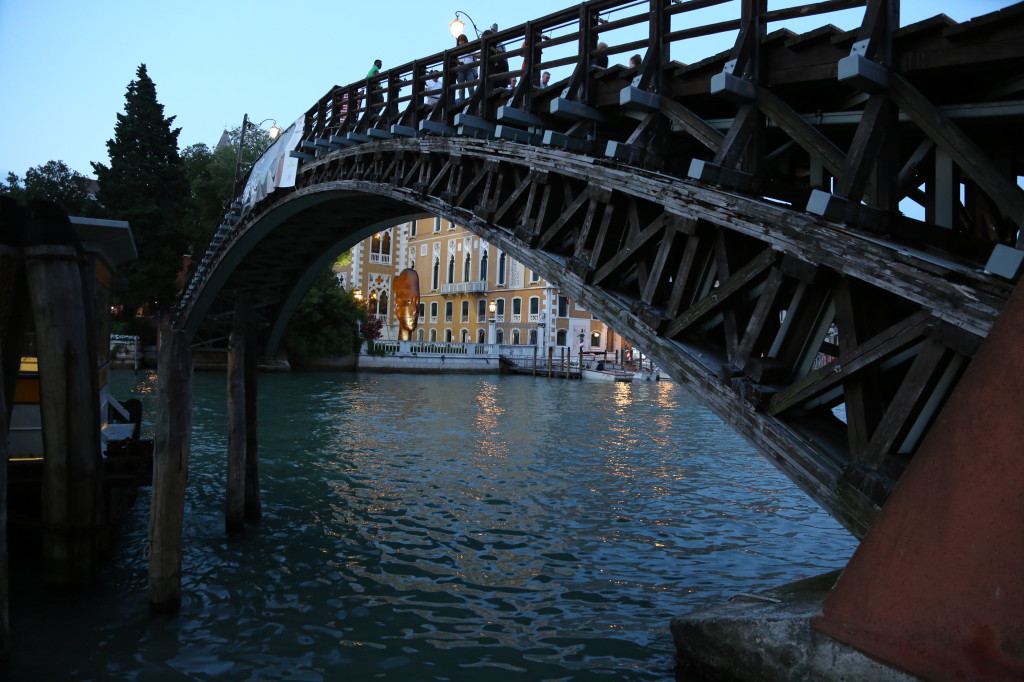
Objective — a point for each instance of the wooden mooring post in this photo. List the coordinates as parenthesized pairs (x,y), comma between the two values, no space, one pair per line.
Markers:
(170,468)
(551,356)
(13,317)
(242,504)
(68,398)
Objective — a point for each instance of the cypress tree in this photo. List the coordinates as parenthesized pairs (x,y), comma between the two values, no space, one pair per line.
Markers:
(145,184)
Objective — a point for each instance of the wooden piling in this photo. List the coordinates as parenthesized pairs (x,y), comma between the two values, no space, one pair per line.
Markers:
(170,468)
(551,356)
(242,502)
(535,361)
(13,316)
(5,620)
(68,398)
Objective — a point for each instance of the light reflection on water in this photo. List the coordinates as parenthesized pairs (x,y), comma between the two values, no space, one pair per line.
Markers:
(448,527)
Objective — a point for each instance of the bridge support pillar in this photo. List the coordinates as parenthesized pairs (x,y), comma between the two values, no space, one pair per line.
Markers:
(170,469)
(243,502)
(937,586)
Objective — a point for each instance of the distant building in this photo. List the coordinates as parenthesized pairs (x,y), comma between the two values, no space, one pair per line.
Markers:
(461,276)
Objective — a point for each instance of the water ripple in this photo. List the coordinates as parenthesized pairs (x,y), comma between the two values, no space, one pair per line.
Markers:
(450,528)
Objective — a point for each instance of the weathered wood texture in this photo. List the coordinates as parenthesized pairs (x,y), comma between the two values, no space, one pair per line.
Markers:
(68,399)
(242,503)
(736,220)
(170,468)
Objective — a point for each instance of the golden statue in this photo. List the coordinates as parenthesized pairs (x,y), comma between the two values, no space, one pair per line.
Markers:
(407,302)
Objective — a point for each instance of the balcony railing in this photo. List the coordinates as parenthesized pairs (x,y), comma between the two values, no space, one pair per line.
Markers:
(474,287)
(380,258)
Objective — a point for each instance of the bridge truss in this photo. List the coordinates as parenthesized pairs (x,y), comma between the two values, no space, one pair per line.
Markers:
(737,218)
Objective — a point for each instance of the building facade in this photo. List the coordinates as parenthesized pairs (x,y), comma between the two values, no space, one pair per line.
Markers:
(465,283)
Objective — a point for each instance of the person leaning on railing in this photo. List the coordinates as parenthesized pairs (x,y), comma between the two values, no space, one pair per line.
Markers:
(466,71)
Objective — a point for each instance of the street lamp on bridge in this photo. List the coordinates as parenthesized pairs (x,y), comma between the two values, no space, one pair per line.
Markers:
(274,131)
(458,25)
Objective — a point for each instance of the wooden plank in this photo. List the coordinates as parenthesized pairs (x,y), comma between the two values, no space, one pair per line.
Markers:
(630,250)
(877,347)
(802,132)
(721,294)
(971,159)
(556,226)
(904,403)
(762,310)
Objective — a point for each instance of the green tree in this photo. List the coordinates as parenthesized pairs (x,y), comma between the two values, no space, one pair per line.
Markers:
(211,178)
(326,322)
(54,181)
(145,184)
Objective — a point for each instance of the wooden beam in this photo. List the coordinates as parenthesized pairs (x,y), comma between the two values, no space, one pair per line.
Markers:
(971,159)
(721,294)
(877,347)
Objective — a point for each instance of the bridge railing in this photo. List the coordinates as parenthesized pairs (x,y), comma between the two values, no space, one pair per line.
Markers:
(575,46)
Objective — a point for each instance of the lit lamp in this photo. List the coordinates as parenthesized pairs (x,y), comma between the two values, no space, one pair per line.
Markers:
(358,295)
(491,330)
(457,26)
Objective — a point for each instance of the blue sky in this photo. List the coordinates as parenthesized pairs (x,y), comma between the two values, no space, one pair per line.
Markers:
(65,65)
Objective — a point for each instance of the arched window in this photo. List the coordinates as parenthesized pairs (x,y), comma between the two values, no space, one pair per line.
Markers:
(563,306)
(517,309)
(560,337)
(533,337)
(465,312)
(499,336)
(499,309)
(595,339)
(534,305)
(481,310)
(436,273)
(515,337)
(451,270)
(501,269)
(465,269)
(433,311)
(419,334)
(448,306)
(481,336)
(380,247)
(433,335)
(448,335)
(422,311)
(382,304)
(464,336)
(483,267)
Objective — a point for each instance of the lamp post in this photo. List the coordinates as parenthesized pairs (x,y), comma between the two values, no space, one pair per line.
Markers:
(274,131)
(457,25)
(581,353)
(491,331)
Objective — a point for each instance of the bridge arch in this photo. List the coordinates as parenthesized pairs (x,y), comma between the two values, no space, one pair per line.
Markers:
(738,218)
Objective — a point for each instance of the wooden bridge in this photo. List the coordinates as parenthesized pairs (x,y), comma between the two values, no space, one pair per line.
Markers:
(727,216)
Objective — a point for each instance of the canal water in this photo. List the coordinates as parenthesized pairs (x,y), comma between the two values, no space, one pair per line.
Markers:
(425,527)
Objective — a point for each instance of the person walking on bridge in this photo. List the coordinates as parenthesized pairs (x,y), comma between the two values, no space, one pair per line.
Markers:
(375,97)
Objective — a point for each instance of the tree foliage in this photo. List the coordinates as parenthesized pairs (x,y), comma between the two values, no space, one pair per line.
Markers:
(54,181)
(145,184)
(211,177)
(326,321)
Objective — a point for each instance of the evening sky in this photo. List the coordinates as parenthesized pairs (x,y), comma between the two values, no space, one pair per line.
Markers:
(65,65)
